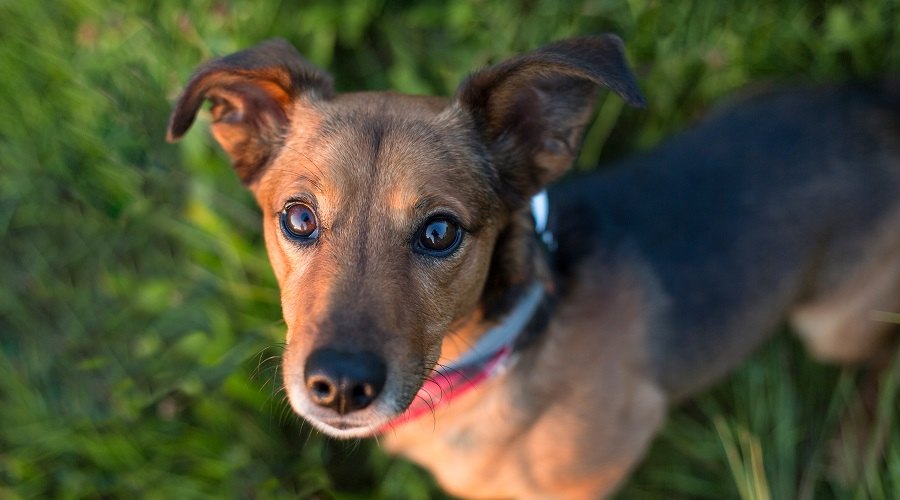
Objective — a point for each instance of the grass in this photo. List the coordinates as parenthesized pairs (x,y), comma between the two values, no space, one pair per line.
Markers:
(139,318)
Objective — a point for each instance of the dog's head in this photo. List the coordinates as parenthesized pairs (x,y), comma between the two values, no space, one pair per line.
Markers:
(393,220)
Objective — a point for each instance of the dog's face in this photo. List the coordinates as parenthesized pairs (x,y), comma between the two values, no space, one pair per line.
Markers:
(384,214)
(380,227)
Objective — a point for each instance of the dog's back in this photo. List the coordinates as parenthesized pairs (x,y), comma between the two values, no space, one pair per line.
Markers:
(786,204)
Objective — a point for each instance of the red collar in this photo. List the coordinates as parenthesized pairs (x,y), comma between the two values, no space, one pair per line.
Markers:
(489,356)
(438,390)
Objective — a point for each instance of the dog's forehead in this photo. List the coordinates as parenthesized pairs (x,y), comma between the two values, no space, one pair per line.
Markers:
(402,150)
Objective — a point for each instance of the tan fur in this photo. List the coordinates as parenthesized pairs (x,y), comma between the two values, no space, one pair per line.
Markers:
(565,433)
(842,327)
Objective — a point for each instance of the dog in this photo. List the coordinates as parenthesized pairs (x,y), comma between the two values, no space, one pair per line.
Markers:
(521,337)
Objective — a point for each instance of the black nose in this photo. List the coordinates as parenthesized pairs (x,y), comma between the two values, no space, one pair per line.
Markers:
(344,381)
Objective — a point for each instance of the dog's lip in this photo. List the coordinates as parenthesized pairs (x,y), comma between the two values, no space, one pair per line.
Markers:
(359,424)
(365,423)
(346,427)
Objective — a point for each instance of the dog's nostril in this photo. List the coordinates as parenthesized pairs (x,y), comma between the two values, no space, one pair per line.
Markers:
(363,394)
(342,381)
(321,390)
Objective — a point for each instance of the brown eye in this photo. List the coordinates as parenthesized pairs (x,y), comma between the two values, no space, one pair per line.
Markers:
(298,221)
(439,236)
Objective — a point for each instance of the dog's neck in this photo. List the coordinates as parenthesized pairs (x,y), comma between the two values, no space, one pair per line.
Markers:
(520,258)
(503,336)
(491,345)
(491,354)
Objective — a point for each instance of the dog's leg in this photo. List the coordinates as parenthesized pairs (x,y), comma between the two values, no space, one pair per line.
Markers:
(847,322)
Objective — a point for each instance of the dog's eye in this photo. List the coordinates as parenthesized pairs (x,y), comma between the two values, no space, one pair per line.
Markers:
(298,221)
(439,236)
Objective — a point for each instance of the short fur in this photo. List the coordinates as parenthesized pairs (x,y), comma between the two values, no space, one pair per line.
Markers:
(671,266)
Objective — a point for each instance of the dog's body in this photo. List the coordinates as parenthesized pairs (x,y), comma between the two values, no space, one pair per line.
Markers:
(664,272)
(674,265)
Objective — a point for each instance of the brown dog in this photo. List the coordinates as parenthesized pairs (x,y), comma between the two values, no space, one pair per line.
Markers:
(411,274)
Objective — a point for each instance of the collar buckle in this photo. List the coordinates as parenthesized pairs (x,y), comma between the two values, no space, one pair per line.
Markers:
(540,211)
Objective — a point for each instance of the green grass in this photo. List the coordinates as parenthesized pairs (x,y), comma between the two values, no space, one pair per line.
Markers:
(139,318)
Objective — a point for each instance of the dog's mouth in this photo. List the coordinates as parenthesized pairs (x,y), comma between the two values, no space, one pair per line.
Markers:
(383,416)
(350,395)
(344,427)
(360,423)
(387,414)
(367,424)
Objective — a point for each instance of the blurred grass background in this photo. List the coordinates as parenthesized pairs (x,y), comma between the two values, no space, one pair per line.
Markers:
(139,319)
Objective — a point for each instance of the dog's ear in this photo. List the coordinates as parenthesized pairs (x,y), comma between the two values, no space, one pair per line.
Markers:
(532,110)
(251,92)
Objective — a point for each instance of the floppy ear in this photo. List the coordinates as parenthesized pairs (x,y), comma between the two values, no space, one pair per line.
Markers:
(251,92)
(532,110)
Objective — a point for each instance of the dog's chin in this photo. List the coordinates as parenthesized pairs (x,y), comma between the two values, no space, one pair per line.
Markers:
(345,430)
(361,424)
